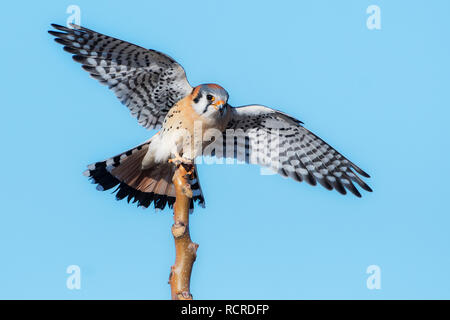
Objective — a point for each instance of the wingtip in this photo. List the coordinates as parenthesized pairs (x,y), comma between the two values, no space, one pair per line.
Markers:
(71,50)
(366,188)
(360,171)
(58,27)
(66,28)
(364,174)
(78,58)
(61,41)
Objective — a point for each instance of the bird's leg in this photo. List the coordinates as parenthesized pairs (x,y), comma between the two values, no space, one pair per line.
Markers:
(188,167)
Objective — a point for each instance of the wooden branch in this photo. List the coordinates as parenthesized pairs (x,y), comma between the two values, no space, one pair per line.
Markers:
(186,250)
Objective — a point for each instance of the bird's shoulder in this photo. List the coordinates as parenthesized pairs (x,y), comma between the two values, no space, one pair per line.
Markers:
(182,109)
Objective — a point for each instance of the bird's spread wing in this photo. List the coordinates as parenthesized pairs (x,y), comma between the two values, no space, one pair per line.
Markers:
(270,138)
(148,82)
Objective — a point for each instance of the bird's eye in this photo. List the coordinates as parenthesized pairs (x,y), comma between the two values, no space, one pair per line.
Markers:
(210,97)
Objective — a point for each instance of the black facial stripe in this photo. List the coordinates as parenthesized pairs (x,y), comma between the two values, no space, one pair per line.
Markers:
(198,97)
(209,104)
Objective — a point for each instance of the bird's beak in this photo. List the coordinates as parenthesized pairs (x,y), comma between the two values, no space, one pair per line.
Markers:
(218,104)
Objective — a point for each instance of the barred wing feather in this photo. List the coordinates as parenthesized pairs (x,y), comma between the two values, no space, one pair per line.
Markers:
(261,135)
(148,82)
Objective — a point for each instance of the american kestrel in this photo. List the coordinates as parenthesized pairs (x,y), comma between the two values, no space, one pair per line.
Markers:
(155,89)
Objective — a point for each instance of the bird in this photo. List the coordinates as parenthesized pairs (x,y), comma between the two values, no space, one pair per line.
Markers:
(155,89)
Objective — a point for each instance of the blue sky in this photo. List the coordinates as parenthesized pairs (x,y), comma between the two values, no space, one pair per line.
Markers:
(381,97)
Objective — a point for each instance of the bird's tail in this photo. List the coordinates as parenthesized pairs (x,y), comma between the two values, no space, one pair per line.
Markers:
(142,186)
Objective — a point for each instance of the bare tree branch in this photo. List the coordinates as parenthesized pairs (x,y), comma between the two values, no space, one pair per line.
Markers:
(186,250)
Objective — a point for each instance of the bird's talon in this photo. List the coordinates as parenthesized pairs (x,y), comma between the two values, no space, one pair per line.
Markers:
(180,160)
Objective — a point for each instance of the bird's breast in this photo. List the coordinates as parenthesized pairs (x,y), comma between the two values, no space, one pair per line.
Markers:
(183,117)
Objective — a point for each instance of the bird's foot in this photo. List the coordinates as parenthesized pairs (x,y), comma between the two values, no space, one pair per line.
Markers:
(187,164)
(180,160)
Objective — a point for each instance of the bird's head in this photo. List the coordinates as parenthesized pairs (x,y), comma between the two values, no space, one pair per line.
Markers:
(209,100)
